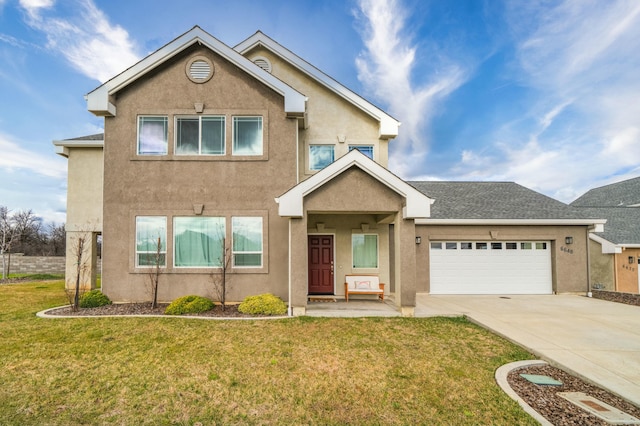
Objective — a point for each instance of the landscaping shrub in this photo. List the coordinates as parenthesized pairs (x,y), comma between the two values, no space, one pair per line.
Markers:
(189,305)
(93,299)
(264,304)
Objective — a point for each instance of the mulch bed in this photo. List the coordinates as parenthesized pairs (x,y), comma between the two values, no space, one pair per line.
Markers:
(230,311)
(557,410)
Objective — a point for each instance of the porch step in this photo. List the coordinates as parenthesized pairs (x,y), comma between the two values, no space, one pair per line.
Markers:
(322,299)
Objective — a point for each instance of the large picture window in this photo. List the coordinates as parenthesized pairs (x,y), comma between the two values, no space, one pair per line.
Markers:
(152,135)
(151,241)
(247,135)
(198,241)
(365,250)
(320,156)
(247,241)
(200,135)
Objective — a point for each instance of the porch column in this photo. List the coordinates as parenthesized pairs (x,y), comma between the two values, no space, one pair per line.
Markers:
(81,258)
(298,265)
(405,264)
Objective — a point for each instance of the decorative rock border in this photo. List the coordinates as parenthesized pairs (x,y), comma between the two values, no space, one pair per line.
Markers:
(501,379)
(615,296)
(44,314)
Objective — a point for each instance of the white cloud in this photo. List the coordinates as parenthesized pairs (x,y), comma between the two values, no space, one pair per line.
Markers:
(385,69)
(87,40)
(15,157)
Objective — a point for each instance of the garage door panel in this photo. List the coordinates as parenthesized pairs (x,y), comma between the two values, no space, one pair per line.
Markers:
(491,271)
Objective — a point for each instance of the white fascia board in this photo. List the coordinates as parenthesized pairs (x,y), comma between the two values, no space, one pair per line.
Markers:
(62,147)
(388,125)
(98,99)
(550,222)
(607,246)
(291,203)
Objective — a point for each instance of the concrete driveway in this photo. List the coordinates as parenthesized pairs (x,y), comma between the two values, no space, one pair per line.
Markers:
(594,339)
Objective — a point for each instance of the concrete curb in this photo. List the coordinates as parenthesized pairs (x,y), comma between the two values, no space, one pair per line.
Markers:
(501,379)
(44,314)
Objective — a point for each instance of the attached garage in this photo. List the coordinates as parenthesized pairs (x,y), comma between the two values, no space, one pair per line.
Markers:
(490,267)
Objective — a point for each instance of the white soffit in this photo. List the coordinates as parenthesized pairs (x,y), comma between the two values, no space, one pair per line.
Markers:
(291,203)
(98,99)
(388,125)
(62,147)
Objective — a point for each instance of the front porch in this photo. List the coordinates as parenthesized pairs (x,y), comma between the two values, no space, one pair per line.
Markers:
(356,308)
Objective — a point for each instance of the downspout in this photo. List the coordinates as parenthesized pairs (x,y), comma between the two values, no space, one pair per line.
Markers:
(290,306)
(589,294)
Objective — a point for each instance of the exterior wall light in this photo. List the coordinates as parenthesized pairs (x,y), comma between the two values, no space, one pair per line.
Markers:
(418,240)
(568,240)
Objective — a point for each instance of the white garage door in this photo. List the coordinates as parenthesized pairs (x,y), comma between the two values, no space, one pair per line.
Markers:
(490,267)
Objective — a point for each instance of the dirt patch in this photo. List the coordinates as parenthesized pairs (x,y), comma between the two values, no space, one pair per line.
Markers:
(557,410)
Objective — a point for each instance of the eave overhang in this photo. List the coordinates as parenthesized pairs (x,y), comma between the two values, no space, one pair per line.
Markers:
(388,125)
(595,225)
(62,147)
(417,205)
(98,101)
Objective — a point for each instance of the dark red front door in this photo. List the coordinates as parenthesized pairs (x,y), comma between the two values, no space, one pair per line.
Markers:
(320,264)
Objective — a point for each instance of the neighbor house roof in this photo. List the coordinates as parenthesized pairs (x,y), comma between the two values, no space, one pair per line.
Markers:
(498,203)
(622,224)
(98,99)
(89,141)
(620,194)
(388,124)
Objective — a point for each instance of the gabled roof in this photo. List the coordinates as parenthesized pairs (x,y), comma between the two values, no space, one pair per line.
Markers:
(623,224)
(90,141)
(388,125)
(98,99)
(291,203)
(620,194)
(498,203)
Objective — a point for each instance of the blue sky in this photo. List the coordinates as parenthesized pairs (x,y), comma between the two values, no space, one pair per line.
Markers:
(543,93)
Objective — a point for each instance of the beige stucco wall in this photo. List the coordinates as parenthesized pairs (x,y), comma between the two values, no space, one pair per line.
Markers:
(601,267)
(569,262)
(171,185)
(328,116)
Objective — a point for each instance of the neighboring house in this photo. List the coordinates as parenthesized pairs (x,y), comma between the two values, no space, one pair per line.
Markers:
(255,148)
(615,253)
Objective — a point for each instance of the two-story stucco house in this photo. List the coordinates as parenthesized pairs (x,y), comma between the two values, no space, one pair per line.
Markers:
(255,147)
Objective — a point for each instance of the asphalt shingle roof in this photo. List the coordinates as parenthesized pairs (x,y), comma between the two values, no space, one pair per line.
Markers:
(494,200)
(622,225)
(620,194)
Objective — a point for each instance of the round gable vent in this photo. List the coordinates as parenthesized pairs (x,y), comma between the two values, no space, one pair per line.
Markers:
(199,69)
(263,63)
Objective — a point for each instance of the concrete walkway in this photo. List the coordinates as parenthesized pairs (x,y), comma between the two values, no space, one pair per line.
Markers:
(591,338)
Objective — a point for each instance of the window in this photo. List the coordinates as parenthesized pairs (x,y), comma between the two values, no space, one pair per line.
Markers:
(198,241)
(436,246)
(320,156)
(541,246)
(481,246)
(365,149)
(151,232)
(364,250)
(466,246)
(200,135)
(451,246)
(152,135)
(525,246)
(511,246)
(247,241)
(247,135)
(496,246)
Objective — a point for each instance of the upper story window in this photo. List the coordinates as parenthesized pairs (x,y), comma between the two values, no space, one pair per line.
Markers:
(247,136)
(320,156)
(365,149)
(201,135)
(152,135)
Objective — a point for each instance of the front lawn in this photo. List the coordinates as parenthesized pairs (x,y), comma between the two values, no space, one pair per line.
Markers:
(293,371)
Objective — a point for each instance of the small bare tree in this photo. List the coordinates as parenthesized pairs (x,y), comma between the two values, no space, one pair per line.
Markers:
(156,261)
(81,261)
(219,279)
(15,227)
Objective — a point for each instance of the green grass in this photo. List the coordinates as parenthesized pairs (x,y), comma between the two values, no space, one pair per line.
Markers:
(37,277)
(305,370)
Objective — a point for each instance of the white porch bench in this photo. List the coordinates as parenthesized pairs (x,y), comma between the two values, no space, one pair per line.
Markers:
(363,284)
